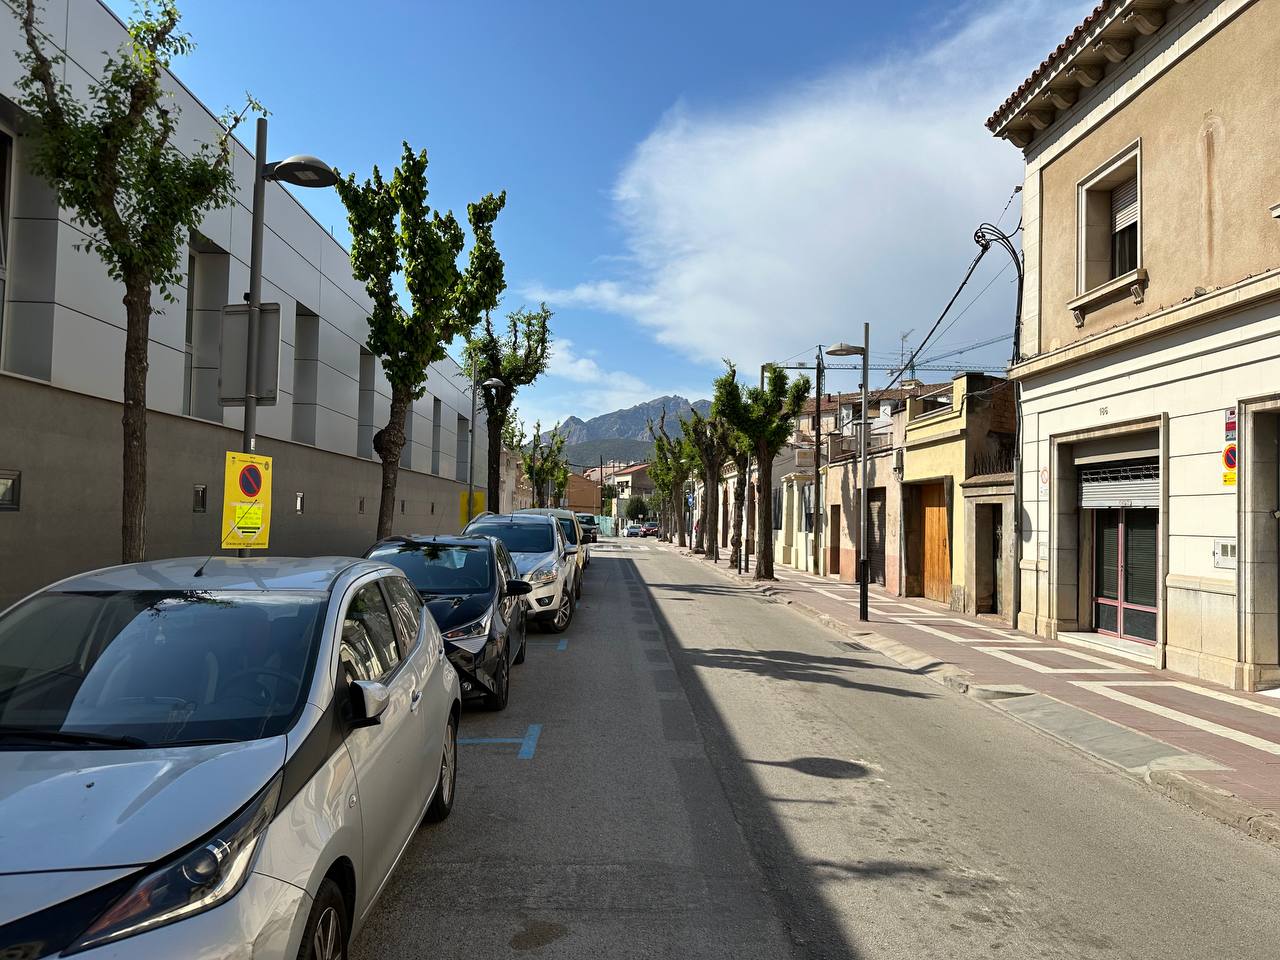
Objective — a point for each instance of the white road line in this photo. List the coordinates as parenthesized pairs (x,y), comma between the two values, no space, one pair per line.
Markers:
(1192,688)
(1106,666)
(1208,726)
(925,628)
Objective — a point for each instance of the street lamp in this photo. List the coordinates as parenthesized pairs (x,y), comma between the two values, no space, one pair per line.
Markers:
(471,433)
(301,170)
(848,350)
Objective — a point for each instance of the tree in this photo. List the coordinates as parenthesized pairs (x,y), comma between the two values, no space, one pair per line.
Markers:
(711,436)
(517,358)
(673,461)
(637,508)
(764,418)
(543,460)
(111,160)
(394,229)
(727,394)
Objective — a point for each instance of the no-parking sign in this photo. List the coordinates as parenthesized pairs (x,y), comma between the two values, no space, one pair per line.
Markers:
(246,502)
(1229,464)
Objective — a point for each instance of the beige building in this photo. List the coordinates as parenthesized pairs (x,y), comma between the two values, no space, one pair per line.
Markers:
(1150,339)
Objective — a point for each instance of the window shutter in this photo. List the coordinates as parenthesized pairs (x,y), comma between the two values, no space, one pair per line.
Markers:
(1124,205)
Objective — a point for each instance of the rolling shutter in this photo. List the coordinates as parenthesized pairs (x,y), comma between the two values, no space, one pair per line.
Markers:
(1124,205)
(1120,485)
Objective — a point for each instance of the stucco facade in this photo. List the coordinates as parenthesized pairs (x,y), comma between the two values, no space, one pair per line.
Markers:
(1154,374)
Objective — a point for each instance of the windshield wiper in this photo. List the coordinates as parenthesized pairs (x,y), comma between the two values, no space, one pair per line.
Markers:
(75,737)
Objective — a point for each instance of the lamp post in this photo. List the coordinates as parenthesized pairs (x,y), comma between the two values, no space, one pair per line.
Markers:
(848,350)
(471,435)
(300,170)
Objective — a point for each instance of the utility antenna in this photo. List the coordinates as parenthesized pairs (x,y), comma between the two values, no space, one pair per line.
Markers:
(903,353)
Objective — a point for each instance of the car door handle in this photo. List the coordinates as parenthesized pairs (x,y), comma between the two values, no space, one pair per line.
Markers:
(415,701)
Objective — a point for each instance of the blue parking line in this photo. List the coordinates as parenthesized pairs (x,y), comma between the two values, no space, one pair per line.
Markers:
(528,743)
(561,645)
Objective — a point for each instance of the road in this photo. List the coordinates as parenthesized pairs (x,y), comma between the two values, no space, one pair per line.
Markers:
(716,776)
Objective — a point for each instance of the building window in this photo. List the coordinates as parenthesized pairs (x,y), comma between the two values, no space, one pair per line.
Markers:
(366,427)
(200,498)
(10,489)
(6,153)
(1110,222)
(437,411)
(298,500)
(188,359)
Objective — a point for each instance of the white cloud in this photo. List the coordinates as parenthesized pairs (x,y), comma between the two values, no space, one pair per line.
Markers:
(567,363)
(763,230)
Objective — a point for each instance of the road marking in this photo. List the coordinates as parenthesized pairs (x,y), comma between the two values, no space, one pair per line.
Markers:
(1192,688)
(561,645)
(924,627)
(1208,726)
(1105,666)
(528,743)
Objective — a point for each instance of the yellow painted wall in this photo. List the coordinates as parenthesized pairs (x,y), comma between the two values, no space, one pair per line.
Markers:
(943,458)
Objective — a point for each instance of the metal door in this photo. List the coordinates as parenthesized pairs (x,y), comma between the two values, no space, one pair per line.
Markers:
(1125,573)
(876,536)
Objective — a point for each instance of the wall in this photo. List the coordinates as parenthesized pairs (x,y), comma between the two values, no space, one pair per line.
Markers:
(69,518)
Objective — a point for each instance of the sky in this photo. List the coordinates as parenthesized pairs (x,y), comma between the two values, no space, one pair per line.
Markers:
(687,182)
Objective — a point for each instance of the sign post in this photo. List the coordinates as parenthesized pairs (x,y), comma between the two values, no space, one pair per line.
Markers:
(246,502)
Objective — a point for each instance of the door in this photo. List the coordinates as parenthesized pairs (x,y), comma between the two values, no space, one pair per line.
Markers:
(389,756)
(1125,573)
(833,540)
(937,543)
(997,559)
(876,536)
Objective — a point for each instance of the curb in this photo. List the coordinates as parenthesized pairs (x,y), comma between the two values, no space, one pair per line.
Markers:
(1218,804)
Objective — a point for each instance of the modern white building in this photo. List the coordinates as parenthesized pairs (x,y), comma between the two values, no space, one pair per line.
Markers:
(62,331)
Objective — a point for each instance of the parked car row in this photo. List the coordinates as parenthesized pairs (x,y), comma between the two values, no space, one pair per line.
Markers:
(225,757)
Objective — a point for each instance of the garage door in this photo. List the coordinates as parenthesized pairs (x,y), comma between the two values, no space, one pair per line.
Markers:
(876,536)
(937,544)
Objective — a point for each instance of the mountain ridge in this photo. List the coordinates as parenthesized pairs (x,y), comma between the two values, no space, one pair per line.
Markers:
(630,423)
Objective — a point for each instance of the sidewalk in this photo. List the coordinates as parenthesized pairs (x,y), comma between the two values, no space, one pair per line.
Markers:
(1215,749)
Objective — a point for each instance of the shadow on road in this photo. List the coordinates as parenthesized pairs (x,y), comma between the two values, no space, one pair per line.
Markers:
(831,768)
(801,668)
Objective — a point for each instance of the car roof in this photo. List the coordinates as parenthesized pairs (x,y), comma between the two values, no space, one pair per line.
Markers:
(513,518)
(454,540)
(222,573)
(546,512)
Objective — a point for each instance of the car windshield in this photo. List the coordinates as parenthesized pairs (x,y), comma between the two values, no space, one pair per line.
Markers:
(160,667)
(441,568)
(518,537)
(570,530)
(586,519)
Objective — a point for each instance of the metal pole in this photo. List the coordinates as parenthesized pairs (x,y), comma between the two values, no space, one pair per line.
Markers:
(817,471)
(249,438)
(471,442)
(863,573)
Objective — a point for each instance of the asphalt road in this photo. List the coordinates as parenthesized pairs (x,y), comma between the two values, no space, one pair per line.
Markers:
(716,776)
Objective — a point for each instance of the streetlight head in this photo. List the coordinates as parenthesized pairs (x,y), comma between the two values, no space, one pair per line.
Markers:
(493,382)
(303,171)
(843,349)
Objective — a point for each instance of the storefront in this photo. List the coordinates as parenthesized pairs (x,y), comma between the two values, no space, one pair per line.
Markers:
(1121,504)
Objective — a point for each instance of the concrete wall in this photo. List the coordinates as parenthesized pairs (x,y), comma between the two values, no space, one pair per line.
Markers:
(69,517)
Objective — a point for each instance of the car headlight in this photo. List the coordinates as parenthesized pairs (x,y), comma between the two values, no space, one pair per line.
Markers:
(476,628)
(198,879)
(542,576)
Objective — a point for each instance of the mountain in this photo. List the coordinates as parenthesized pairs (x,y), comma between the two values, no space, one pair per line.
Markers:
(589,453)
(631,423)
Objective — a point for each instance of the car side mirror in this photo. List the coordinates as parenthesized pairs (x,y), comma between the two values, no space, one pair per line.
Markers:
(570,551)
(518,588)
(369,700)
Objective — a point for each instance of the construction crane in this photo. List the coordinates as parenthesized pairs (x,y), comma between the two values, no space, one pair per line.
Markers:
(966,349)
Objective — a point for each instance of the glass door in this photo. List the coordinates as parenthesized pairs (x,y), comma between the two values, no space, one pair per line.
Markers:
(1125,573)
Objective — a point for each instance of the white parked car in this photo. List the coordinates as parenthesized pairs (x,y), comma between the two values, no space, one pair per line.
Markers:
(215,757)
(544,559)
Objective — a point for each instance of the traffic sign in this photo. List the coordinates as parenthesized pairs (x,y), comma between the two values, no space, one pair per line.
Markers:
(1229,464)
(246,502)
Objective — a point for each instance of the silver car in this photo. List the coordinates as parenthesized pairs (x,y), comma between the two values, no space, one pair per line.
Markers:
(215,757)
(543,558)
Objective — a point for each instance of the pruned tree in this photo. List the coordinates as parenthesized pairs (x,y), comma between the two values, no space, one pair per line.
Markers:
(542,459)
(764,418)
(711,436)
(727,393)
(394,229)
(107,150)
(675,461)
(517,358)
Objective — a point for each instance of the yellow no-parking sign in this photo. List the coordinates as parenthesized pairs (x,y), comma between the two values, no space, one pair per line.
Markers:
(246,502)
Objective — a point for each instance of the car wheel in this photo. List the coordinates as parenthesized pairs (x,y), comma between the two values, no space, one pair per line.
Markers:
(564,613)
(502,685)
(325,935)
(442,802)
(524,646)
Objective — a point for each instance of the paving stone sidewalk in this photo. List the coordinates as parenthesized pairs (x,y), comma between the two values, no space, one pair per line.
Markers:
(1213,748)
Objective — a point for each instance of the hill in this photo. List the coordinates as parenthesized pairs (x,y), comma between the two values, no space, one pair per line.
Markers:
(629,424)
(619,449)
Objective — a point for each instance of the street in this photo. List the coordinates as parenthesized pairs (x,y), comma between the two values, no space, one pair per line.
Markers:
(696,770)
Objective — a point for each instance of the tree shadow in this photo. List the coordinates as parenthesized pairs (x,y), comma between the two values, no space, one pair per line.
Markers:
(796,667)
(831,768)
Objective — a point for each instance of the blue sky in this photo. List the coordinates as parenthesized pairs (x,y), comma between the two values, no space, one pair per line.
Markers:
(686,180)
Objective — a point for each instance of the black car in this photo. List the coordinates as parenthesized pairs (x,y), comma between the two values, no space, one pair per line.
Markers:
(471,588)
(590,527)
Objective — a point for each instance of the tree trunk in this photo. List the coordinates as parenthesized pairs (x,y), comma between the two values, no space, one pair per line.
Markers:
(133,501)
(739,496)
(494,496)
(711,523)
(700,524)
(764,511)
(681,516)
(389,442)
